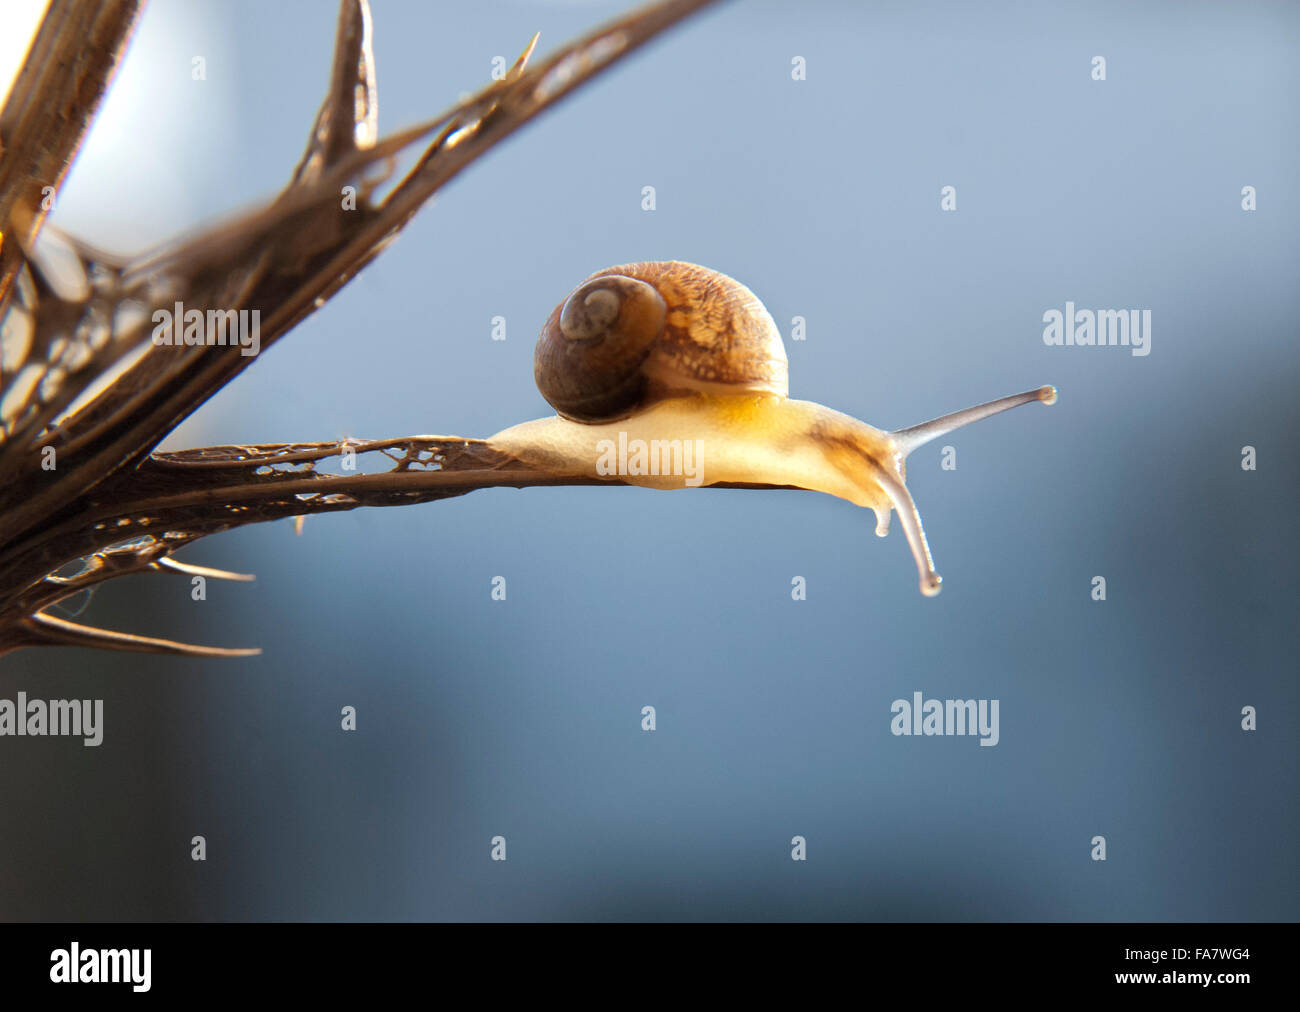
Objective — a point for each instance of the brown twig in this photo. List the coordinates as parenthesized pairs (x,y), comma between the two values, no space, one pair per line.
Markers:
(109,501)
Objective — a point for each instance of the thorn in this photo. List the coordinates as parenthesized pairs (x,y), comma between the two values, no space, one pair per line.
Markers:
(212,574)
(348,120)
(57,631)
(522,62)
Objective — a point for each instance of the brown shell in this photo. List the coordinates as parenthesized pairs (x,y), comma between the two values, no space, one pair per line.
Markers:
(712,335)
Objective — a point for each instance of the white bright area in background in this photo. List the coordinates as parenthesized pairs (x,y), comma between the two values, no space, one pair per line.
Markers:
(123,193)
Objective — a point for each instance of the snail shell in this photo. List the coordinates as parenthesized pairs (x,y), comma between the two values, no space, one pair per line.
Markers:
(634,334)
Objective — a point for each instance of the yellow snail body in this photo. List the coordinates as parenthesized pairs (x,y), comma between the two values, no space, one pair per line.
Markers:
(671,355)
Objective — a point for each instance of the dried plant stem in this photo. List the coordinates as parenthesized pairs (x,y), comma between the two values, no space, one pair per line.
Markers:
(112,502)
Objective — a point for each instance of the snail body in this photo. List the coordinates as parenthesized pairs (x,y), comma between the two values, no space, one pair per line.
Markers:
(679,375)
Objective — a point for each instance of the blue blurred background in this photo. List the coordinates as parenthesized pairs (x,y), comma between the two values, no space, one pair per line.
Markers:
(522,718)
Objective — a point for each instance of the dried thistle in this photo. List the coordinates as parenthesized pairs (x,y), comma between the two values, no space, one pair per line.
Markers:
(86,395)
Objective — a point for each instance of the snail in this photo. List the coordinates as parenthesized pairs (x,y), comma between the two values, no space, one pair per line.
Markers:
(670,355)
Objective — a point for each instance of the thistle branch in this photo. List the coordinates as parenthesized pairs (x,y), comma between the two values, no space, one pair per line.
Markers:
(74,314)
